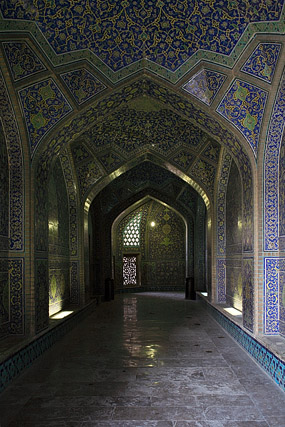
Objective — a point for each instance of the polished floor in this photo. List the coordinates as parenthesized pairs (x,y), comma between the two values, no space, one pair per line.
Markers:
(144,360)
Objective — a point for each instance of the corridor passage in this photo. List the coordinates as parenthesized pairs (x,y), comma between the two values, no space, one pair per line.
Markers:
(149,359)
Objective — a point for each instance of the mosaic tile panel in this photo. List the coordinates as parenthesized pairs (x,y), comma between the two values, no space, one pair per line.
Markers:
(88,174)
(58,215)
(4,192)
(282,195)
(274,367)
(234,213)
(22,60)
(243,105)
(221,204)
(248,293)
(189,199)
(110,161)
(79,152)
(41,294)
(12,296)
(16,170)
(271,171)
(221,281)
(44,106)
(130,130)
(14,365)
(200,244)
(82,84)
(4,297)
(271,296)
(212,152)
(205,173)
(262,61)
(184,159)
(74,283)
(41,210)
(281,298)
(72,203)
(205,85)
(120,35)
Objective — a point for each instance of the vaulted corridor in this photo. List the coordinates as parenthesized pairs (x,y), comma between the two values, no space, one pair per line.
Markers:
(145,359)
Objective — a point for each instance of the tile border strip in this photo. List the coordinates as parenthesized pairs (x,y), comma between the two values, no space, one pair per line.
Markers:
(270,363)
(14,364)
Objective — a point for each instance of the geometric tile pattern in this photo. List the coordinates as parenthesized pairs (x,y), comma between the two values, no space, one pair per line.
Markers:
(74,283)
(120,36)
(221,280)
(110,160)
(79,152)
(13,295)
(16,170)
(72,202)
(271,171)
(205,85)
(212,151)
(184,159)
(248,293)
(14,365)
(271,295)
(282,297)
(243,105)
(262,61)
(44,106)
(221,204)
(22,60)
(129,130)
(274,367)
(82,84)
(88,174)
(205,173)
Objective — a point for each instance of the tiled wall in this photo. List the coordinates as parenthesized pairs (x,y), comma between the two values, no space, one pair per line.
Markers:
(58,221)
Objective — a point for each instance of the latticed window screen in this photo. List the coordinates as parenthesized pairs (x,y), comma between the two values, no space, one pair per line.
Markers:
(129,270)
(131,235)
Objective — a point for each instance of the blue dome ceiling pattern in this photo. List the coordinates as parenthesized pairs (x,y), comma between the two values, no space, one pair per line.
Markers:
(121,33)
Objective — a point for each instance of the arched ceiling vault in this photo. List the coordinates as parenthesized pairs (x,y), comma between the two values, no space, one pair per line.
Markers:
(147,179)
(112,81)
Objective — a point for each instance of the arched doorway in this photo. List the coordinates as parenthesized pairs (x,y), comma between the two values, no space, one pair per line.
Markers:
(149,246)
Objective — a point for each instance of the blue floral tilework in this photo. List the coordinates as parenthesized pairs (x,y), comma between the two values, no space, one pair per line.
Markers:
(82,84)
(44,106)
(221,280)
(121,33)
(271,171)
(205,85)
(271,296)
(262,61)
(110,161)
(243,105)
(22,60)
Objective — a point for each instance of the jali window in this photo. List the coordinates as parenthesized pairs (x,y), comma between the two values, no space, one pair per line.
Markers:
(131,234)
(130,270)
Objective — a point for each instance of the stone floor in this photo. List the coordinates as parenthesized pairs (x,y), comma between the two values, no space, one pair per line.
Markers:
(144,360)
